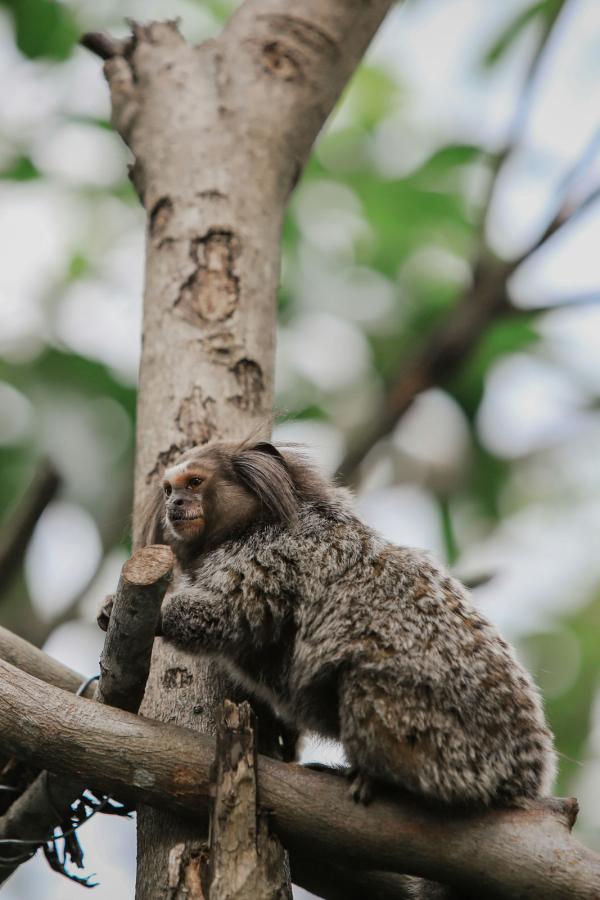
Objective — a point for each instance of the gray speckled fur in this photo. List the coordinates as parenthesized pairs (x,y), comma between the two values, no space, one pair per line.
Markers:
(374,644)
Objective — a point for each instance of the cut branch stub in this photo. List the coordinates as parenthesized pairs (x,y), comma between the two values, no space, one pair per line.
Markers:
(125,660)
(246,862)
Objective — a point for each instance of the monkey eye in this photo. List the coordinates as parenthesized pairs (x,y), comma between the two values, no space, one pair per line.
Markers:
(195,482)
(167,489)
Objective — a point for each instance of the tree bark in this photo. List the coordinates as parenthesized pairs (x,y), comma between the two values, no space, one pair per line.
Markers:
(220,133)
(246,862)
(125,660)
(499,854)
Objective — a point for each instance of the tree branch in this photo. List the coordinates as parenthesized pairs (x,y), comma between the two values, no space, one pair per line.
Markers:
(125,660)
(444,350)
(124,669)
(334,882)
(16,535)
(102,45)
(499,854)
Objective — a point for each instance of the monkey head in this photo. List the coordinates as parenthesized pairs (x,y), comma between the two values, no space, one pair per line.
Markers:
(212,494)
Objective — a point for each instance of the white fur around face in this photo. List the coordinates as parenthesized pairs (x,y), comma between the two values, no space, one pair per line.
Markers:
(178,469)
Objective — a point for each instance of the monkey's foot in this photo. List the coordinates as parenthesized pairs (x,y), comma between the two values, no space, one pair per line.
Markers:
(361,786)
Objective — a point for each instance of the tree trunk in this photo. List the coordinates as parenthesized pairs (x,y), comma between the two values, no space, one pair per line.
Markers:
(220,133)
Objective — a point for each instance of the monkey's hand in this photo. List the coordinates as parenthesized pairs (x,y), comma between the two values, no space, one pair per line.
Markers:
(103,616)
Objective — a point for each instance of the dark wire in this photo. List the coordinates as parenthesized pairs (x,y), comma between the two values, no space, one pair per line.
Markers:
(85,685)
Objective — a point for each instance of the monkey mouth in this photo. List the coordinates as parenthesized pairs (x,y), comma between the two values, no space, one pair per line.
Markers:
(177,518)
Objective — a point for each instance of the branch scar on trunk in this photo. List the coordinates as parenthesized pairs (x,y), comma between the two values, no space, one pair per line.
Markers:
(196,417)
(160,216)
(212,291)
(249,377)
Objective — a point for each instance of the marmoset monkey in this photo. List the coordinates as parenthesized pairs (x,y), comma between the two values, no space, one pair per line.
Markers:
(344,633)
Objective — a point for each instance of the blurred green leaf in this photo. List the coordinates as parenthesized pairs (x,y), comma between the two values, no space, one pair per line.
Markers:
(372,95)
(488,476)
(313,412)
(56,370)
(78,267)
(79,119)
(545,10)
(508,335)
(21,169)
(17,465)
(43,28)
(570,712)
(447,159)
(513,30)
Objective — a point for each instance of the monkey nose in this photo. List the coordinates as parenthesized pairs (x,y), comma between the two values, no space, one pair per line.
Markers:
(178,501)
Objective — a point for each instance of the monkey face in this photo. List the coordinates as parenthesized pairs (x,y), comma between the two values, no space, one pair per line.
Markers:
(216,493)
(184,488)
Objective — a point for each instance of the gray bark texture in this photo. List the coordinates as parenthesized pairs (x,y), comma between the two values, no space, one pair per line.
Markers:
(246,862)
(220,133)
(499,854)
(124,669)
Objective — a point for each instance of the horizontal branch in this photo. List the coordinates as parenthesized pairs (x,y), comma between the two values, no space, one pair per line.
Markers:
(334,882)
(19,525)
(125,664)
(501,853)
(20,653)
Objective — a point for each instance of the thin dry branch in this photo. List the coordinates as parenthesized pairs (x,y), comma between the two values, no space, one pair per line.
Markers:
(124,669)
(446,348)
(501,853)
(16,535)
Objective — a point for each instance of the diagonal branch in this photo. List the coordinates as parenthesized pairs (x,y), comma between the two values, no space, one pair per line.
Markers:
(446,347)
(102,45)
(444,350)
(498,854)
(14,539)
